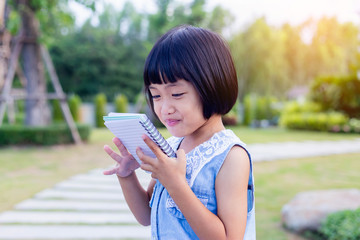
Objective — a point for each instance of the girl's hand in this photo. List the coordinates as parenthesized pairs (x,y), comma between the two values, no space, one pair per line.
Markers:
(125,162)
(169,171)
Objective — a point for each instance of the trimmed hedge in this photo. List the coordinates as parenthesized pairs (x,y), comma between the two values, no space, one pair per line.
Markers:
(310,116)
(313,121)
(46,135)
(121,104)
(100,109)
(74,102)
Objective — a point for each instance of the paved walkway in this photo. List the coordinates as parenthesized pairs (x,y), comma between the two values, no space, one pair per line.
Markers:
(91,205)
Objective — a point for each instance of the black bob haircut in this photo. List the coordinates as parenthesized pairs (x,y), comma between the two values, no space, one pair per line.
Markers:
(200,57)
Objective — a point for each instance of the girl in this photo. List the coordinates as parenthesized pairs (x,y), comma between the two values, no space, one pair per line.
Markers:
(207,191)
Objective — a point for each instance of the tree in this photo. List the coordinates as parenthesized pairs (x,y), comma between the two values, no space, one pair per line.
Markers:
(295,51)
(4,42)
(109,57)
(333,48)
(105,58)
(27,44)
(172,13)
(259,59)
(37,110)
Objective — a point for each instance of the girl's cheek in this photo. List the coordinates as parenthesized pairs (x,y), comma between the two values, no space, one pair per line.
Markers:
(157,110)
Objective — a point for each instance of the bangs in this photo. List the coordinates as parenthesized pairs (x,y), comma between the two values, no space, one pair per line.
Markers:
(165,65)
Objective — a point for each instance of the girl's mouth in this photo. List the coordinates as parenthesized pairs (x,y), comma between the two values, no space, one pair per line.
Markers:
(171,122)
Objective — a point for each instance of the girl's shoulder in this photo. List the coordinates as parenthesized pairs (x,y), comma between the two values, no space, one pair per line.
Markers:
(226,138)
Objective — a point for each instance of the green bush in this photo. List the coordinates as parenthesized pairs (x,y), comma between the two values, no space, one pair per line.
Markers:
(352,126)
(46,135)
(121,103)
(100,109)
(338,94)
(249,109)
(310,116)
(343,225)
(257,108)
(74,105)
(296,107)
(313,121)
(19,113)
(57,114)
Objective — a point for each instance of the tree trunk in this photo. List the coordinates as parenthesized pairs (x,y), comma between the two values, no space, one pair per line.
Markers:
(4,44)
(2,15)
(37,110)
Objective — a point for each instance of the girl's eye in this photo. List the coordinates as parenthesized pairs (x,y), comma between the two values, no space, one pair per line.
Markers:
(177,94)
(155,96)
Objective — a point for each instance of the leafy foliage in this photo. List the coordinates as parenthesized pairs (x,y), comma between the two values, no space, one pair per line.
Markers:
(271,60)
(121,104)
(100,109)
(310,116)
(343,225)
(338,93)
(109,56)
(257,108)
(74,102)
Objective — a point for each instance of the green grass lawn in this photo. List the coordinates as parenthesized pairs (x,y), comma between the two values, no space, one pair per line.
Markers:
(24,171)
(278,182)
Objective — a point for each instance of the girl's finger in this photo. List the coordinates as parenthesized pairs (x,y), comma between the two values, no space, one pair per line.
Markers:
(112,154)
(146,167)
(144,158)
(153,147)
(123,151)
(110,172)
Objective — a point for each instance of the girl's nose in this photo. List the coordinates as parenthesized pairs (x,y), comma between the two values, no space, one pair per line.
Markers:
(167,108)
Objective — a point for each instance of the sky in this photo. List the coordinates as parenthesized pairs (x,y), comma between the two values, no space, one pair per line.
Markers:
(276,12)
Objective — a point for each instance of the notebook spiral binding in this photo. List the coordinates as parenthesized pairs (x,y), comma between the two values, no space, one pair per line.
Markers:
(157,137)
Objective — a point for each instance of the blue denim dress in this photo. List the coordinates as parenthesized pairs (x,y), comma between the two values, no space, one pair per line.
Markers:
(202,167)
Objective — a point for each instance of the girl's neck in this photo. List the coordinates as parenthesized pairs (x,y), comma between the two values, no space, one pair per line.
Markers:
(213,125)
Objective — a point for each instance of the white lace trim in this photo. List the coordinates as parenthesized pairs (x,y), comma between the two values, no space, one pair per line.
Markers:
(202,154)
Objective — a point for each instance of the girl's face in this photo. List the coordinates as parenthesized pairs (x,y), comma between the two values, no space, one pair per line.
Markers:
(178,107)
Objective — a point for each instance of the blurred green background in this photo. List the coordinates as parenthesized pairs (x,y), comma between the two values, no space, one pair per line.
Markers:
(298,81)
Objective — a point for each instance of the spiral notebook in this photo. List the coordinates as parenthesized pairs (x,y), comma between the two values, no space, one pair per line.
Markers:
(129,128)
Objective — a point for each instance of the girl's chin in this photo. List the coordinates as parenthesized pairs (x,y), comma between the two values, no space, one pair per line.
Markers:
(175,133)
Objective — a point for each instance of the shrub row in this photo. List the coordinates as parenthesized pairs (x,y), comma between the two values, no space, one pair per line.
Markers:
(312,116)
(352,126)
(313,121)
(47,135)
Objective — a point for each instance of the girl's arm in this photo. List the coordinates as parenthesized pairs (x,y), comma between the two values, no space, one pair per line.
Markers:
(135,195)
(230,186)
(137,198)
